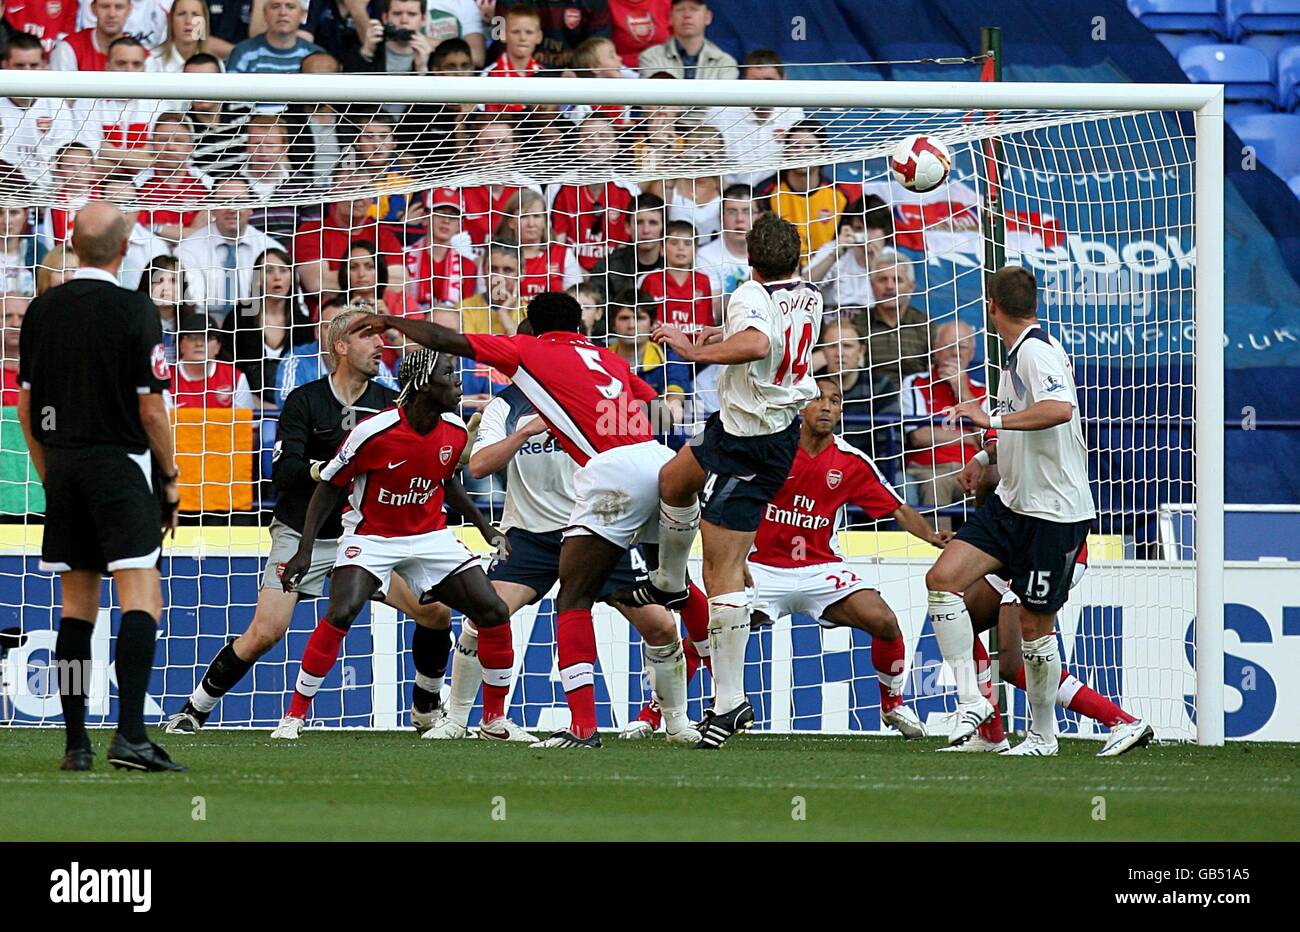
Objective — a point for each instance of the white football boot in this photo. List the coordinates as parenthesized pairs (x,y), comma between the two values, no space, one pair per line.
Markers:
(977,744)
(636,730)
(904,721)
(423,721)
(289,729)
(503,729)
(968,718)
(1125,737)
(446,729)
(1035,745)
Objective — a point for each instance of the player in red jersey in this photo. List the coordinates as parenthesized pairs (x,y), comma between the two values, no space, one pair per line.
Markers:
(991,602)
(796,565)
(396,463)
(51,21)
(595,407)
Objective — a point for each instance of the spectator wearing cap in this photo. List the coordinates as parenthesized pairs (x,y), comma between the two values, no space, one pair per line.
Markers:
(199,378)
(755,135)
(689,54)
(279,50)
(442,267)
(87,49)
(220,256)
(321,246)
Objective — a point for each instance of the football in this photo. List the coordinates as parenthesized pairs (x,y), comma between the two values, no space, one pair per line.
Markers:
(920,163)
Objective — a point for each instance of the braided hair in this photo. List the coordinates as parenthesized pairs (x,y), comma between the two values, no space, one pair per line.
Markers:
(414,373)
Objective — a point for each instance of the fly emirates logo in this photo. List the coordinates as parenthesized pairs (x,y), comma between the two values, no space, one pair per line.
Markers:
(799,514)
(419,493)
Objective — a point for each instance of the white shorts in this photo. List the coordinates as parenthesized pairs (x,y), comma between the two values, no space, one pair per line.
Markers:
(810,590)
(423,560)
(1003,586)
(616,495)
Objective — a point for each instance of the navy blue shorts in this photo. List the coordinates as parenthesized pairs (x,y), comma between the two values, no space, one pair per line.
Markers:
(535,562)
(744,473)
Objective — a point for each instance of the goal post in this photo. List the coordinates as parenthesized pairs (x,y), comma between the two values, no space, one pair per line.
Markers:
(1168,137)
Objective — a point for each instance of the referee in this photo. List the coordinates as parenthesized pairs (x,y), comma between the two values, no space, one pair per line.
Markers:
(92,373)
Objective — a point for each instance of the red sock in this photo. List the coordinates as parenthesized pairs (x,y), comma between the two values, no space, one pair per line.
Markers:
(992,730)
(496,655)
(575,638)
(889,658)
(1086,701)
(317,661)
(695,614)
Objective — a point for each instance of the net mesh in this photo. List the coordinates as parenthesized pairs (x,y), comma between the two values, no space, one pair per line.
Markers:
(256,223)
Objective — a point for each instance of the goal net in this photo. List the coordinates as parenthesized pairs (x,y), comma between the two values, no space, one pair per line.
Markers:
(262,211)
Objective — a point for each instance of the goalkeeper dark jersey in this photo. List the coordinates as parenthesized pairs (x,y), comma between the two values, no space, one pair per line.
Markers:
(313,422)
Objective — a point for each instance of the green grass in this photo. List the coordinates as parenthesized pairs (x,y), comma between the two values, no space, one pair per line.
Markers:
(391,786)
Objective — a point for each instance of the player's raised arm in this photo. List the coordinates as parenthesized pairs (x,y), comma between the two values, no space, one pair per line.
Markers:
(746,346)
(434,336)
(324,502)
(912,521)
(1041,415)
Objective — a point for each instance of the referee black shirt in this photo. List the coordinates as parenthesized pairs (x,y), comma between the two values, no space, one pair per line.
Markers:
(313,423)
(88,350)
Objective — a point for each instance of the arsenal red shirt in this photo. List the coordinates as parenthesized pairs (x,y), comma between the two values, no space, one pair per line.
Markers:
(593,218)
(318,240)
(216,390)
(501,69)
(89,58)
(544,272)
(800,524)
(443,281)
(583,392)
(687,304)
(191,188)
(481,213)
(47,20)
(923,396)
(635,25)
(396,474)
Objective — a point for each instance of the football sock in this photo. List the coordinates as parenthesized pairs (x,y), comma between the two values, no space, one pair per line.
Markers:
(728,637)
(222,675)
(575,638)
(429,649)
(1077,696)
(677,528)
(992,730)
(667,666)
(496,654)
(72,654)
(956,638)
(134,664)
(466,675)
(318,659)
(889,657)
(1042,682)
(695,615)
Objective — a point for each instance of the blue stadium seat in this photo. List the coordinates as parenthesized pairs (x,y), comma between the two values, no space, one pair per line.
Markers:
(1175,42)
(1244,17)
(1294,185)
(1197,16)
(1274,137)
(1288,78)
(1247,74)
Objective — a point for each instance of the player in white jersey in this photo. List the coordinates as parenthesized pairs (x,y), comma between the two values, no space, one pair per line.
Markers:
(742,458)
(1031,528)
(540,498)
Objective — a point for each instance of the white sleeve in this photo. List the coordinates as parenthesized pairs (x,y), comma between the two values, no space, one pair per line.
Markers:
(243,394)
(1045,372)
(572,268)
(832,270)
(492,426)
(62,58)
(743,314)
(911,403)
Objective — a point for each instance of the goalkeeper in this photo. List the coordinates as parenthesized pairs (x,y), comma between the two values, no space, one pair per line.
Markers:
(313,422)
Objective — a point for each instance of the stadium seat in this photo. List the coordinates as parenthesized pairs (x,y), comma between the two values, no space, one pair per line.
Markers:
(1184,16)
(1175,42)
(1246,17)
(1274,136)
(1270,45)
(1288,78)
(1246,74)
(1294,185)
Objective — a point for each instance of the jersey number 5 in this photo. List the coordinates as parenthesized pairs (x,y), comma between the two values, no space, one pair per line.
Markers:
(800,366)
(591,357)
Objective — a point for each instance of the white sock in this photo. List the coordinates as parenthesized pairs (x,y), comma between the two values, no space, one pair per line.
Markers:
(728,635)
(430,684)
(956,641)
(1070,686)
(466,676)
(666,665)
(202,700)
(1042,683)
(677,529)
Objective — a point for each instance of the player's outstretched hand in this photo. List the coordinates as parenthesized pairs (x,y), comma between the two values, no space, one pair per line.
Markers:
(368,324)
(970,410)
(675,339)
(970,475)
(941,539)
(293,571)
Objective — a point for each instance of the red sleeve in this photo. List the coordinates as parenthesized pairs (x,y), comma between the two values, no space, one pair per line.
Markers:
(872,494)
(499,352)
(641,389)
(390,246)
(562,222)
(307,243)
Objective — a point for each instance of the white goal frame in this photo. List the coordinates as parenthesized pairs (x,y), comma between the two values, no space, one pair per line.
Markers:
(1204,100)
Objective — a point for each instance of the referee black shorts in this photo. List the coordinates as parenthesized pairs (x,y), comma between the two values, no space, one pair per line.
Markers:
(1038,555)
(101,512)
(743,473)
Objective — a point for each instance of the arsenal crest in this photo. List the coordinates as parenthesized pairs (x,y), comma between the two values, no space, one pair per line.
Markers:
(642,28)
(158,361)
(833,478)
(352,553)
(445,455)
(53,8)
(572,17)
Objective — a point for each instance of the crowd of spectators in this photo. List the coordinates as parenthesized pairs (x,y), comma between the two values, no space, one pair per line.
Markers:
(314,205)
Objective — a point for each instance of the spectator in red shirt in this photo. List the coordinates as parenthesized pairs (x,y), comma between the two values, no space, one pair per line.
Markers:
(321,246)
(51,21)
(523,34)
(594,217)
(199,378)
(495,142)
(87,49)
(546,265)
(685,295)
(442,267)
(172,180)
(636,25)
(565,24)
(935,454)
(15,306)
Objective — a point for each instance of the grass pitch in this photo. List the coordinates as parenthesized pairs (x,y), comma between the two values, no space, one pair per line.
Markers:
(392,786)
